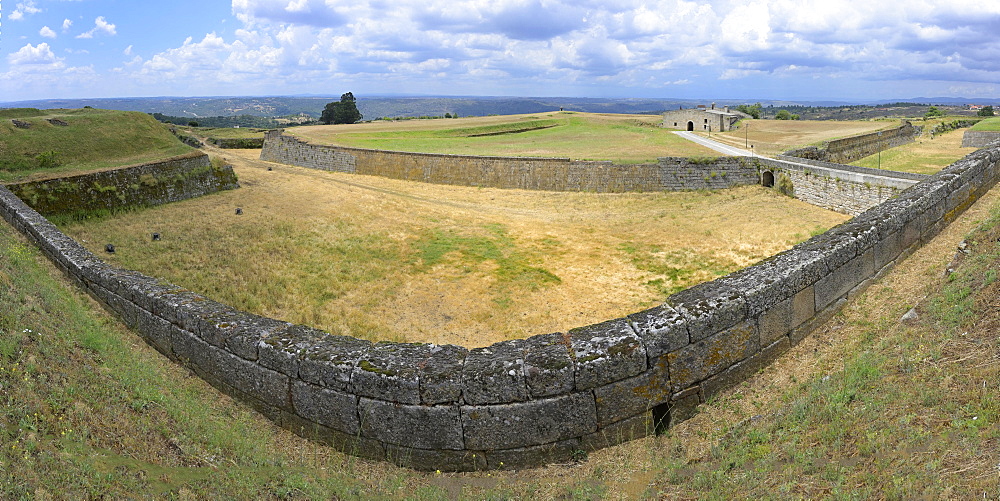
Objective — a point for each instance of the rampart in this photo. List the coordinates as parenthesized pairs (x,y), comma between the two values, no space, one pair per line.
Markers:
(842,188)
(849,149)
(549,174)
(521,403)
(979,138)
(178,178)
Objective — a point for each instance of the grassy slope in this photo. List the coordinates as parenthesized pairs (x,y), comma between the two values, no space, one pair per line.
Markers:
(581,136)
(991,124)
(95,139)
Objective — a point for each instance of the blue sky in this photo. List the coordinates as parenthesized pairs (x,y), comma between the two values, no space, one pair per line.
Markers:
(783,49)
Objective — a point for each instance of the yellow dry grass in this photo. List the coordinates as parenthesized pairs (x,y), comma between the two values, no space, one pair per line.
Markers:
(771,137)
(387,259)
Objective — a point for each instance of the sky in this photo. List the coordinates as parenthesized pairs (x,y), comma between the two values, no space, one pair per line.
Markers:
(765,50)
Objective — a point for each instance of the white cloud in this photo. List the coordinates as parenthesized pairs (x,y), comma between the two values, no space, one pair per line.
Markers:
(31,55)
(47,32)
(23,9)
(67,24)
(127,51)
(100,26)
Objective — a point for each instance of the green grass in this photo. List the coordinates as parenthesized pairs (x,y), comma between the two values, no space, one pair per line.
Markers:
(673,270)
(990,124)
(580,137)
(224,132)
(87,411)
(512,267)
(95,139)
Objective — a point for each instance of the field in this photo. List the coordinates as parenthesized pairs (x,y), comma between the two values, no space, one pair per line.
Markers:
(92,140)
(866,407)
(623,139)
(386,259)
(772,137)
(991,124)
(925,156)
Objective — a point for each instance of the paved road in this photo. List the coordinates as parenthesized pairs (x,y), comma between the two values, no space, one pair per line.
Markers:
(725,149)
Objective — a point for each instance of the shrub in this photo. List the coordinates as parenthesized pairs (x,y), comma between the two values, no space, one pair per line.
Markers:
(784,185)
(48,159)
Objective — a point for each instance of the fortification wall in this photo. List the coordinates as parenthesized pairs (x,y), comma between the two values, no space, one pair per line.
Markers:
(842,188)
(178,178)
(979,138)
(526,402)
(849,149)
(549,174)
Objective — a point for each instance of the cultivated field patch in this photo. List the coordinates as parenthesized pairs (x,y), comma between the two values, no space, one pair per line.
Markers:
(386,259)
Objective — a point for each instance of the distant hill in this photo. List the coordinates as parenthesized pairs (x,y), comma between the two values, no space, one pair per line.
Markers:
(371,107)
(182,109)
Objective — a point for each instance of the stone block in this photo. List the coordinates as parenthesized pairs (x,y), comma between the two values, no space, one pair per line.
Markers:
(281,349)
(800,332)
(741,371)
(352,444)
(495,374)
(888,249)
(156,331)
(331,361)
(330,408)
(509,426)
(548,367)
(440,374)
(698,361)
(785,316)
(417,426)
(436,459)
(633,428)
(661,329)
(390,371)
(527,457)
(630,397)
(709,307)
(244,340)
(684,407)
(606,352)
(843,279)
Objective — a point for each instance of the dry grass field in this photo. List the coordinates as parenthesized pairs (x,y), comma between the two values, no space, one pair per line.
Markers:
(925,156)
(386,259)
(771,137)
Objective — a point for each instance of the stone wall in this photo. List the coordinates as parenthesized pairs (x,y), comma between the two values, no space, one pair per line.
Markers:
(850,149)
(521,403)
(979,138)
(843,188)
(549,174)
(178,178)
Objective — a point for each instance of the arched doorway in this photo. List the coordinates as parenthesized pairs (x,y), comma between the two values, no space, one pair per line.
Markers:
(690,126)
(767,179)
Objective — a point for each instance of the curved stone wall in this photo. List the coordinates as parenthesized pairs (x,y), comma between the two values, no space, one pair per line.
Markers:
(526,402)
(153,183)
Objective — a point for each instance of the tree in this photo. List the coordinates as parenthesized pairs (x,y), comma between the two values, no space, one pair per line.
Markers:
(750,109)
(343,112)
(933,111)
(985,111)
